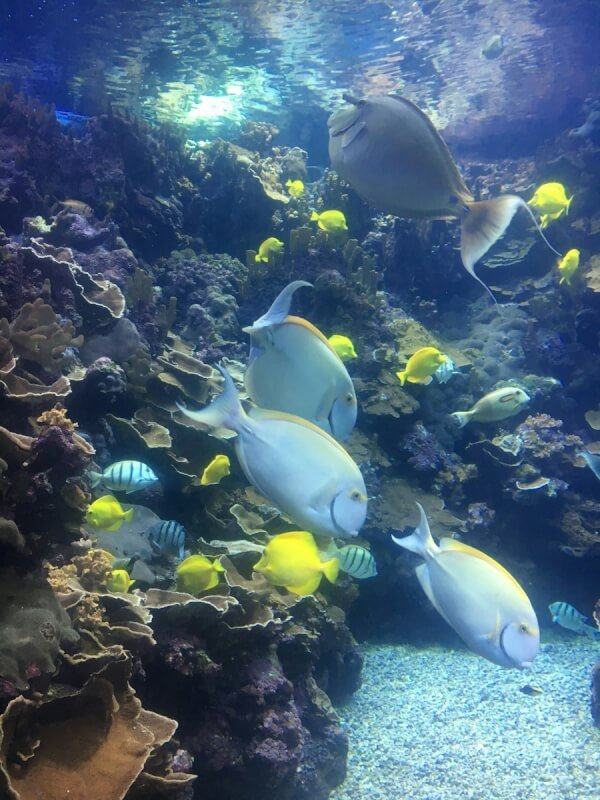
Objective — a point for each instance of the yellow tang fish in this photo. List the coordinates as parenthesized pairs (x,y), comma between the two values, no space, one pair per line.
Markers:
(218,468)
(302,470)
(546,219)
(421,366)
(292,560)
(106,513)
(568,266)
(270,245)
(388,150)
(120,581)
(343,346)
(551,198)
(293,368)
(197,574)
(476,596)
(295,188)
(495,406)
(330,221)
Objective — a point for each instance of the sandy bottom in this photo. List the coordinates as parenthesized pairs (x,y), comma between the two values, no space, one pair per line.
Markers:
(446,725)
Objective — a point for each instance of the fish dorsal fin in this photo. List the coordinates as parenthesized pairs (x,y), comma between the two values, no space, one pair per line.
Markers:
(300,537)
(280,308)
(342,121)
(304,323)
(453,545)
(266,414)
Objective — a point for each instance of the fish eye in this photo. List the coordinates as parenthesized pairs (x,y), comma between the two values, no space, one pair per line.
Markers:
(349,398)
(355,494)
(523,628)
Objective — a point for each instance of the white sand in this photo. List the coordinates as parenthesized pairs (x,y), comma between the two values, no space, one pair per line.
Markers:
(447,725)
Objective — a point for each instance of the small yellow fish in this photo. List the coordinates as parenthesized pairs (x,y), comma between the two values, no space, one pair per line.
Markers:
(330,221)
(218,468)
(106,513)
(343,346)
(568,266)
(546,219)
(295,188)
(197,574)
(421,366)
(270,245)
(120,581)
(292,560)
(550,198)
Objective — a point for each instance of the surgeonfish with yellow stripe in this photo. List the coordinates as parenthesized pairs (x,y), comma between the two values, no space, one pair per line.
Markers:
(495,406)
(476,596)
(357,561)
(292,560)
(125,476)
(301,469)
(393,157)
(293,368)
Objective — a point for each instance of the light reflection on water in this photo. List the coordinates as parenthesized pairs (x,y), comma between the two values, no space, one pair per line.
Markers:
(214,63)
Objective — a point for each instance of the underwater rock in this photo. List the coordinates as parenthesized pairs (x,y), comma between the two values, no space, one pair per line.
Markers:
(34,628)
(595,699)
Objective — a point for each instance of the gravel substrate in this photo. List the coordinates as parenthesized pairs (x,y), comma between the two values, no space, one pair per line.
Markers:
(447,725)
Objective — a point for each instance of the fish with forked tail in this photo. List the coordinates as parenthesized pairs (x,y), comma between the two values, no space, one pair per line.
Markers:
(391,154)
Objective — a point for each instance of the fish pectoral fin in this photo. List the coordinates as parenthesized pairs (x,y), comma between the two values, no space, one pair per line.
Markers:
(352,132)
(494,634)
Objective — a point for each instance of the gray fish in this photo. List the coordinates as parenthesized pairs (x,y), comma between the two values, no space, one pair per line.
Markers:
(493,47)
(391,154)
(167,538)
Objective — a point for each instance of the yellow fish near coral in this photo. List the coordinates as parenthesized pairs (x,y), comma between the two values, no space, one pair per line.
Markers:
(218,468)
(295,188)
(343,346)
(268,247)
(120,581)
(550,198)
(568,266)
(421,366)
(106,514)
(330,221)
(197,574)
(292,560)
(546,219)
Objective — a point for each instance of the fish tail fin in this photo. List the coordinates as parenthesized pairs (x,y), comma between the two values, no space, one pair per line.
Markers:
(536,223)
(217,566)
(95,478)
(569,204)
(462,417)
(224,412)
(420,540)
(280,308)
(331,569)
(401,377)
(128,515)
(314,217)
(483,224)
(257,258)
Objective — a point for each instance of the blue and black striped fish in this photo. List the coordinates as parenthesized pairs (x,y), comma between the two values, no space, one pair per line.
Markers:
(568,617)
(357,561)
(167,538)
(125,476)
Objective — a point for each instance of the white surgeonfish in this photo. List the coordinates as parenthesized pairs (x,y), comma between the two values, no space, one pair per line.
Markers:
(301,469)
(293,368)
(476,596)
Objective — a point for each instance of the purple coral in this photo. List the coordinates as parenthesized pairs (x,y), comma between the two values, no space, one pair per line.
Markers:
(426,451)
